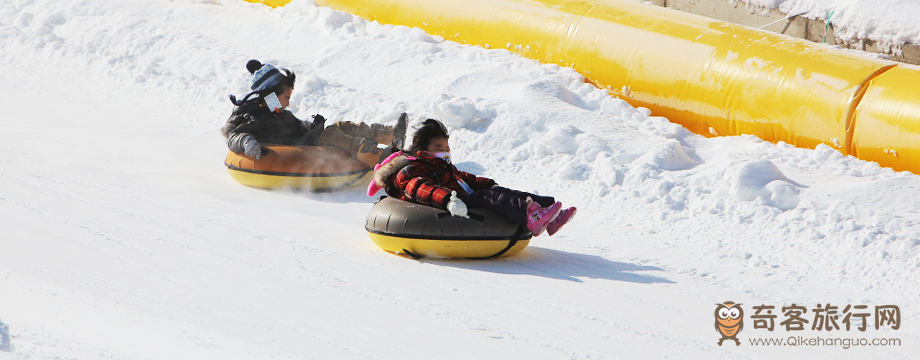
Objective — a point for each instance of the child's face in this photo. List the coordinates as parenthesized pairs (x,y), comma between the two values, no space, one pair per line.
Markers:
(438,144)
(285,98)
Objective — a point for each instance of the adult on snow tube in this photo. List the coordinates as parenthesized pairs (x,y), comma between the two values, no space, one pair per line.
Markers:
(418,230)
(316,168)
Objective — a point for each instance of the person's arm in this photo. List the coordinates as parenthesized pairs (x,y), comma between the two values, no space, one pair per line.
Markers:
(241,139)
(475,182)
(245,143)
(311,131)
(418,187)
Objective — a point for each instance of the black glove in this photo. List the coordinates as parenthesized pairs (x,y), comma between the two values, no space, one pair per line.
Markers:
(318,122)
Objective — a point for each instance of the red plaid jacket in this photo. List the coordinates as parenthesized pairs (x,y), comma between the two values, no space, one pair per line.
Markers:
(429,180)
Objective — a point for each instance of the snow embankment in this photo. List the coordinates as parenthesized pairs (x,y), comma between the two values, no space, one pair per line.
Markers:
(890,23)
(117,211)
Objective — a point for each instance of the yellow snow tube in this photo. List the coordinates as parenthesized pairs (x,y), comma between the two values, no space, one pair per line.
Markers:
(713,77)
(415,230)
(313,168)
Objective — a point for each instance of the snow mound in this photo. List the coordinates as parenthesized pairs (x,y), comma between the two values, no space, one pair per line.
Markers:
(457,112)
(123,223)
(558,140)
(668,155)
(763,181)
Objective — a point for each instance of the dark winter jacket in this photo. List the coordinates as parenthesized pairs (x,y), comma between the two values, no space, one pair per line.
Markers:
(428,180)
(267,127)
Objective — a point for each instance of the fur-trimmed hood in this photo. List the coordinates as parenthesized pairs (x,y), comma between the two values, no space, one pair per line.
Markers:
(385,171)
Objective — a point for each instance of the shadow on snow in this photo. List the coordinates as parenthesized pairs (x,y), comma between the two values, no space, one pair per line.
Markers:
(556,264)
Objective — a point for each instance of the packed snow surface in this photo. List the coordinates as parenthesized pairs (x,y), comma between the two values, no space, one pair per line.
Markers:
(123,237)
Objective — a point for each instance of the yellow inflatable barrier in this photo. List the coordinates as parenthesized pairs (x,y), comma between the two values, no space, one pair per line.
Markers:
(713,77)
(272,3)
(887,120)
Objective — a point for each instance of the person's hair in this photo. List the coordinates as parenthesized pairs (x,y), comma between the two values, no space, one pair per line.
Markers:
(429,129)
(286,83)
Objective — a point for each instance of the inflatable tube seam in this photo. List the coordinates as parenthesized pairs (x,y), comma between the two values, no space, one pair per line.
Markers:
(516,237)
(290,174)
(853,104)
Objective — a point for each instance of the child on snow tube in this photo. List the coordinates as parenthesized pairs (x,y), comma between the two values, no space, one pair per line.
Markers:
(261,118)
(429,178)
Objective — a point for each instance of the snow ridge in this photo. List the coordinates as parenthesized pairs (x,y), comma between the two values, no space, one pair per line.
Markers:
(126,209)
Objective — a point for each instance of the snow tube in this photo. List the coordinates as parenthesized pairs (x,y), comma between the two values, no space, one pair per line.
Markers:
(314,168)
(418,230)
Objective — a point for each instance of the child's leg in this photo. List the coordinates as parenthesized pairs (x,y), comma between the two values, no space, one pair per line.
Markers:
(543,201)
(380,133)
(311,138)
(363,149)
(333,136)
(508,205)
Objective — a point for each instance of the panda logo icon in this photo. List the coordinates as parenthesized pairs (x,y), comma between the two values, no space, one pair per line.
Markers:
(729,321)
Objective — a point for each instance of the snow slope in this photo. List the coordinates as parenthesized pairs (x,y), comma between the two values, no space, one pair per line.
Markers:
(122,236)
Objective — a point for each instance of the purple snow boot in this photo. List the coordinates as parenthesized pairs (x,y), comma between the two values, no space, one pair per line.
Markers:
(564,217)
(538,217)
